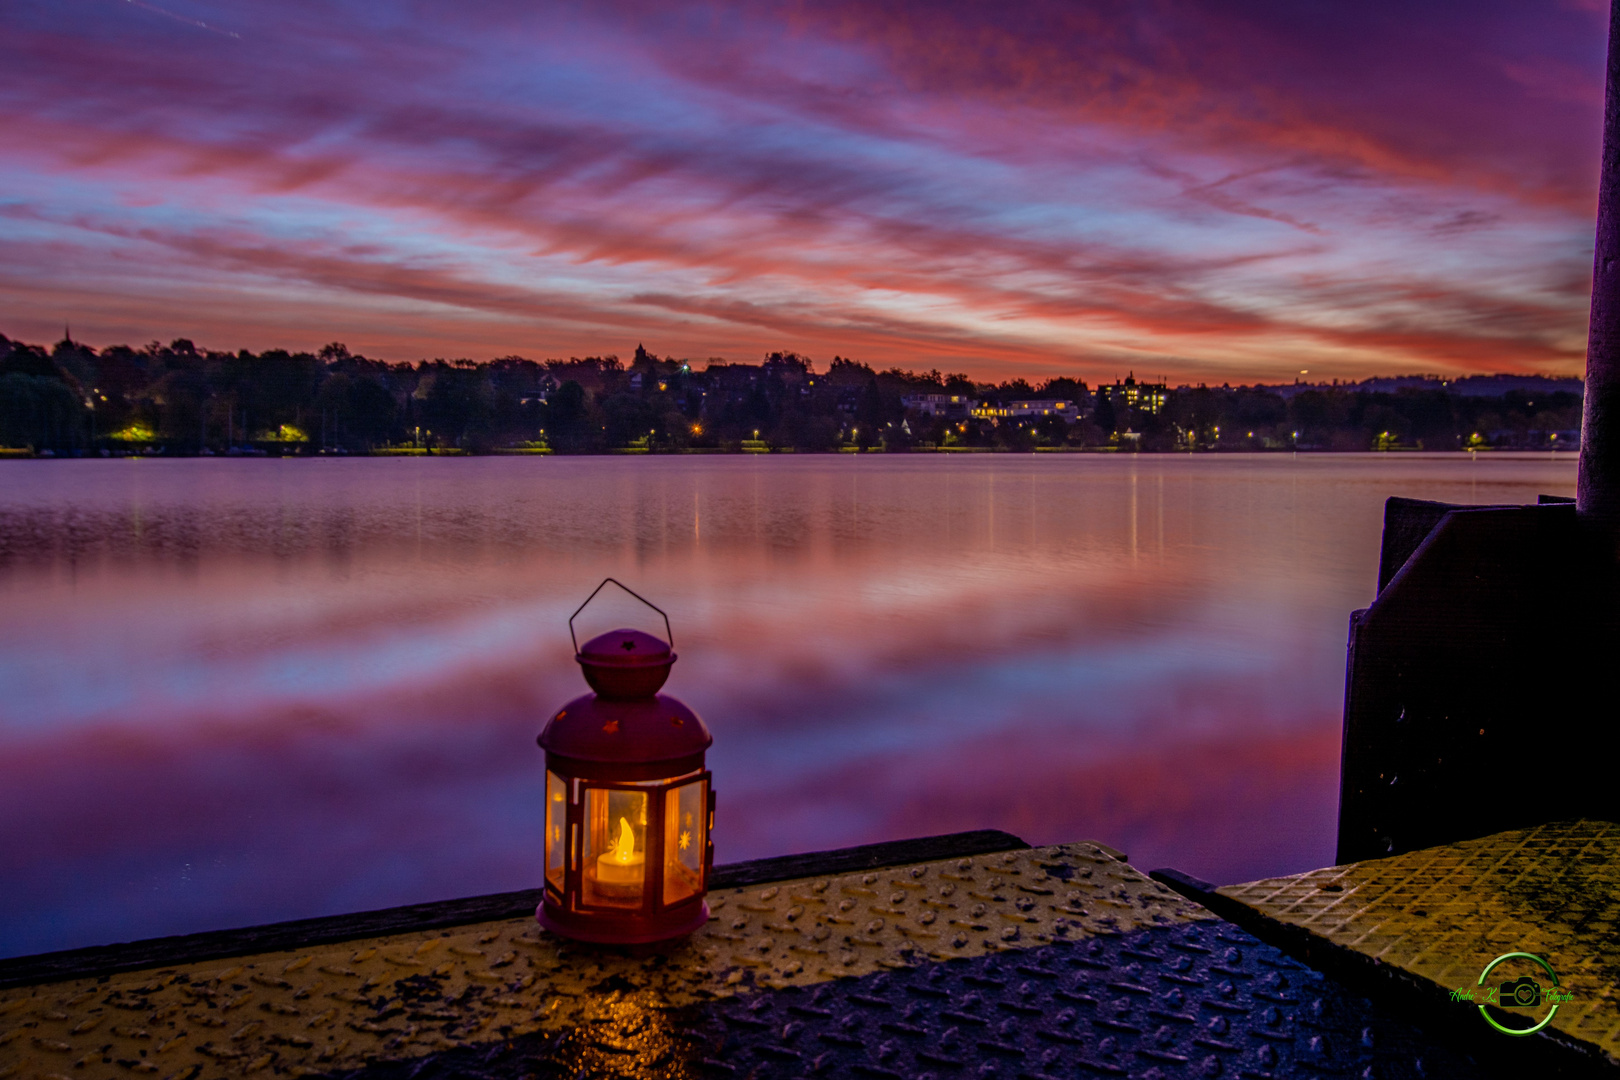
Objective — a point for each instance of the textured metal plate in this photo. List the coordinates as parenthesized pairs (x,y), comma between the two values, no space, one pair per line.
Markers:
(1194,998)
(1048,962)
(1443,913)
(404,996)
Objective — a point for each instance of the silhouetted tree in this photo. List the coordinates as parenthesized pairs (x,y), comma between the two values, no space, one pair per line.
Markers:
(39,412)
(569,425)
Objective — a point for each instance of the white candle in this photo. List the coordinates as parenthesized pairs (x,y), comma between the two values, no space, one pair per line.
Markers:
(623,865)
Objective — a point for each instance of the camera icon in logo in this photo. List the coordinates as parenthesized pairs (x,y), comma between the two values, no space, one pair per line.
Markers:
(1521,993)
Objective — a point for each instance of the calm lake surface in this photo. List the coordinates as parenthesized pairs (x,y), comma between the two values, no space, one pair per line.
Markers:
(241,691)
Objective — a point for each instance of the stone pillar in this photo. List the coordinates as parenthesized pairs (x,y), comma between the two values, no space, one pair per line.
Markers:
(1598,488)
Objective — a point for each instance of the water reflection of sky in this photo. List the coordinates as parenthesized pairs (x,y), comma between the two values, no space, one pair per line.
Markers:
(232,692)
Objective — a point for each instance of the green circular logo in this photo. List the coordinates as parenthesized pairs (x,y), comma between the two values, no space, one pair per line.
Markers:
(1523,992)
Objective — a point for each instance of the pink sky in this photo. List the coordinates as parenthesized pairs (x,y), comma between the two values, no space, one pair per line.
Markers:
(1212,191)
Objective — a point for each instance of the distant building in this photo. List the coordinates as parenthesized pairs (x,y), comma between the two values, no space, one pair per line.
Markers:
(721,376)
(1043,407)
(544,386)
(953,406)
(1017,409)
(791,368)
(1143,397)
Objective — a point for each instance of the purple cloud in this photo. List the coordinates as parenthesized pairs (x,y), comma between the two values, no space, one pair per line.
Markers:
(1212,190)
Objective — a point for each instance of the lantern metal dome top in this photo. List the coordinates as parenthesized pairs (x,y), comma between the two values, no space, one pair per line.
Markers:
(626,723)
(624,663)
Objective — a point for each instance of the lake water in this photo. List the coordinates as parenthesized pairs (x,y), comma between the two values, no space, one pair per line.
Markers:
(240,691)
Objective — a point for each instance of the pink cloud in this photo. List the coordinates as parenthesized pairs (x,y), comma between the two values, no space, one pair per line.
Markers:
(1053,187)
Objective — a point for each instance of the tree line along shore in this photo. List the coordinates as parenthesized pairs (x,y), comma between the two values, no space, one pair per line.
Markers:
(176,399)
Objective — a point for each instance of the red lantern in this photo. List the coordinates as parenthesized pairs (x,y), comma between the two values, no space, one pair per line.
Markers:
(629,805)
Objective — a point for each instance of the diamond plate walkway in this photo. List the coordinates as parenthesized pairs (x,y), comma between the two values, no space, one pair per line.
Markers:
(1412,929)
(1059,961)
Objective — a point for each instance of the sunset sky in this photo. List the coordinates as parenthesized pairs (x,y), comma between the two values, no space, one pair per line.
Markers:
(1218,191)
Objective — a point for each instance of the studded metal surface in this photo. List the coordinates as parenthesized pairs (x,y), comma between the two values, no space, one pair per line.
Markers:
(407,996)
(1443,913)
(1187,999)
(1191,999)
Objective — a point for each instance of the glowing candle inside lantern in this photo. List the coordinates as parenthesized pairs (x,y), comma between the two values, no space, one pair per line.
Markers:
(623,865)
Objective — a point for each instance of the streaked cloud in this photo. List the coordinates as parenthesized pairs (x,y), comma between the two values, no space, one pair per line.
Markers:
(1215,191)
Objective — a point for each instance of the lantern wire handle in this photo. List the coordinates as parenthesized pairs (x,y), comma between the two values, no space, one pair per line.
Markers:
(668,634)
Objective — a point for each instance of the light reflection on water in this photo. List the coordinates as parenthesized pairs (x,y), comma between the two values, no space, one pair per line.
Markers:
(239,691)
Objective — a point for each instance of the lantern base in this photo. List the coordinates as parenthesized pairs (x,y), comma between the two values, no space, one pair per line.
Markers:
(611,930)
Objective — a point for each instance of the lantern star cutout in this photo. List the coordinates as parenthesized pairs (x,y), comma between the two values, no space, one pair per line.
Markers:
(686,840)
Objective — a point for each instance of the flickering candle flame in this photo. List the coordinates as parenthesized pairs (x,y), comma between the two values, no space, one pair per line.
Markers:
(625,849)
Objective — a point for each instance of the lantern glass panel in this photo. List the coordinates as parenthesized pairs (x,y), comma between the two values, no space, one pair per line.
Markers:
(615,855)
(685,820)
(556,827)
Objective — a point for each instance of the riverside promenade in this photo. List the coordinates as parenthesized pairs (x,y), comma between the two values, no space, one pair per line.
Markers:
(968,955)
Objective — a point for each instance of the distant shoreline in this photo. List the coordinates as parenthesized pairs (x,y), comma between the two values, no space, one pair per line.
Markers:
(177,400)
(24,454)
